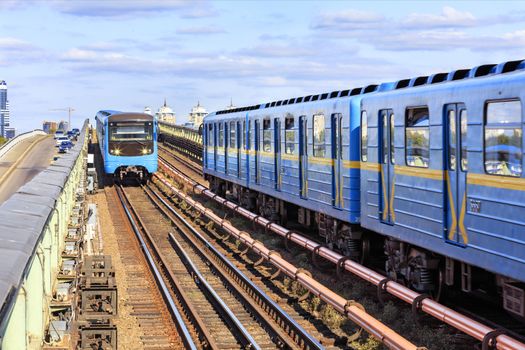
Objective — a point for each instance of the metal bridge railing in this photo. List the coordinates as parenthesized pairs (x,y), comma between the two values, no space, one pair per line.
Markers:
(187,141)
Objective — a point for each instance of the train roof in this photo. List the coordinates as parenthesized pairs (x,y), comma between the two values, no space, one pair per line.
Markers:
(460,74)
(117,116)
(486,81)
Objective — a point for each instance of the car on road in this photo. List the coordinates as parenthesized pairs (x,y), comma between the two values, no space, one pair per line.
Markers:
(65,146)
(76,131)
(58,134)
(60,139)
(72,135)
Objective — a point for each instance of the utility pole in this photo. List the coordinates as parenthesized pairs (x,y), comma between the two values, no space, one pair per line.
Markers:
(68,110)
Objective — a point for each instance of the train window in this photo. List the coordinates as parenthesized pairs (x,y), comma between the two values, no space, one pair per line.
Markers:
(209,135)
(267,136)
(289,135)
(242,135)
(233,132)
(364,137)
(503,138)
(452,140)
(249,140)
(392,147)
(417,134)
(337,136)
(463,139)
(384,118)
(319,145)
(130,131)
(221,135)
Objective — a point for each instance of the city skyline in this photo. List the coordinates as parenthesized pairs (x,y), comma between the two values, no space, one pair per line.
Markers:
(128,55)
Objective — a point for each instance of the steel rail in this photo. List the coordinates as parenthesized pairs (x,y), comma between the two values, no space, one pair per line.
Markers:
(185,334)
(249,341)
(305,337)
(220,305)
(190,161)
(489,336)
(351,309)
(187,162)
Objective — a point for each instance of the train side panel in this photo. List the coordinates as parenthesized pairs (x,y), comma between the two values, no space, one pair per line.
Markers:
(467,214)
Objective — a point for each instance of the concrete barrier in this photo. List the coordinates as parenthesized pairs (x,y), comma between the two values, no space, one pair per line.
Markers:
(33,224)
(19,138)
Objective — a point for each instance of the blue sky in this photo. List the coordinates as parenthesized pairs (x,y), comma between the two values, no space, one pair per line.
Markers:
(125,54)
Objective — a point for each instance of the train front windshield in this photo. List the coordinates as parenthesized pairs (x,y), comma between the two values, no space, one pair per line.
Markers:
(139,131)
(131,138)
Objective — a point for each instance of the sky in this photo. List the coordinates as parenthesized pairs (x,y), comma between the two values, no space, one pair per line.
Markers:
(128,54)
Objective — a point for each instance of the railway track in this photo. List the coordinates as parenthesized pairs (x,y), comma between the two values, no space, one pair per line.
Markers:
(146,299)
(185,162)
(233,313)
(500,339)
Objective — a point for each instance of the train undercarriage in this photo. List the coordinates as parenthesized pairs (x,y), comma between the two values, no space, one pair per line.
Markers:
(412,266)
(139,173)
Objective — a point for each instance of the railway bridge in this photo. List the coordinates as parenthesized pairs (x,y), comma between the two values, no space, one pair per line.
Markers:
(196,270)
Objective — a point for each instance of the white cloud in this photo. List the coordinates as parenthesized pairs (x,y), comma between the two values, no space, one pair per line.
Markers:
(16,51)
(349,20)
(278,51)
(442,40)
(128,8)
(206,30)
(273,81)
(449,18)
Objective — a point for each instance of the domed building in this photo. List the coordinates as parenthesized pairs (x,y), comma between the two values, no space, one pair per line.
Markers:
(231,106)
(197,115)
(165,114)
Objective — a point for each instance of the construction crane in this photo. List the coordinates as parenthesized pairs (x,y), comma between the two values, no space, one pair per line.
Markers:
(68,110)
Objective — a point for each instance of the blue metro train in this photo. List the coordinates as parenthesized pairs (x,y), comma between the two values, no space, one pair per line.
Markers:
(429,170)
(128,143)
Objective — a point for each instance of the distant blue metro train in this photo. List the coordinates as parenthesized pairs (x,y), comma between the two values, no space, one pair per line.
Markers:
(426,170)
(128,143)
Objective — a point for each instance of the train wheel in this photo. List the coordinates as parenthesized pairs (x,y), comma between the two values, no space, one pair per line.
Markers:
(440,281)
(365,250)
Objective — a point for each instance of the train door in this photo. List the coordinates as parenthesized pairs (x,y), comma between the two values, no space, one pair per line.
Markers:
(247,147)
(256,146)
(303,156)
(337,152)
(215,146)
(239,145)
(226,148)
(277,152)
(206,142)
(456,173)
(386,160)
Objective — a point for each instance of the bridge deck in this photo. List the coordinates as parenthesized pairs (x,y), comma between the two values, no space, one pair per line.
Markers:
(23,162)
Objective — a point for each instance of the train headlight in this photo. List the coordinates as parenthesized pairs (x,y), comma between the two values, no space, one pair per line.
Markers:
(115,151)
(145,150)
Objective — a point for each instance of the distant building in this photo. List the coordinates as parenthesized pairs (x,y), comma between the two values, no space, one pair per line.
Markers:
(231,106)
(49,126)
(63,125)
(4,109)
(165,114)
(196,116)
(10,133)
(147,110)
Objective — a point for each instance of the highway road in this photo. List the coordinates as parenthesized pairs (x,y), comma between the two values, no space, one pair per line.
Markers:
(23,162)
